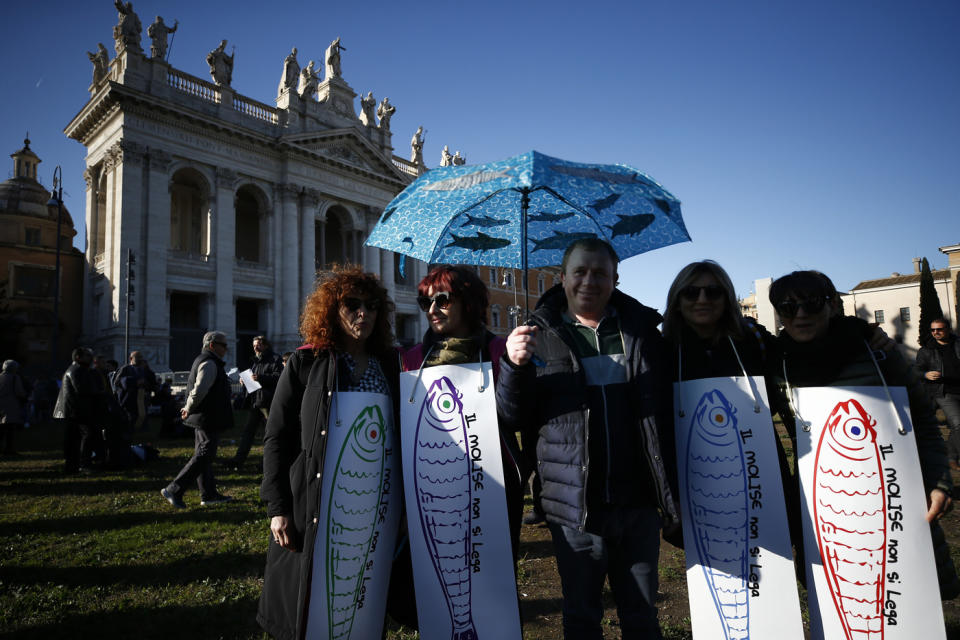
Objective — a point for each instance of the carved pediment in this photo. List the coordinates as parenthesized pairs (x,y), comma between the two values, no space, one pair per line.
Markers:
(345,145)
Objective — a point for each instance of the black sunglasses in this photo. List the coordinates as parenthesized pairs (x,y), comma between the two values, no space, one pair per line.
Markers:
(692,292)
(810,306)
(443,300)
(352,304)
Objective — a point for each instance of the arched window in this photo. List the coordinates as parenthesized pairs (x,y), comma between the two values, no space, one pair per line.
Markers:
(250,230)
(334,240)
(493,276)
(188,213)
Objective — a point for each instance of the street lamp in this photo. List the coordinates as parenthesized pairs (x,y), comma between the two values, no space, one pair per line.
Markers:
(56,199)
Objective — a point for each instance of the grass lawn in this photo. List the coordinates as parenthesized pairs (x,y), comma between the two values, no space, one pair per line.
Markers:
(105,556)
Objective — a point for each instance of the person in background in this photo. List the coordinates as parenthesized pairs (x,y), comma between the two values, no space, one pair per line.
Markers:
(587,374)
(939,362)
(13,405)
(822,348)
(345,323)
(266,369)
(75,407)
(208,412)
(133,383)
(286,356)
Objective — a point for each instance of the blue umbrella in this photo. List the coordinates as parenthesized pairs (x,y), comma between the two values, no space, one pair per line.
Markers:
(523,212)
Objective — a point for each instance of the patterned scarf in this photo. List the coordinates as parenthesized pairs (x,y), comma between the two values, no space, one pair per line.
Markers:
(454,351)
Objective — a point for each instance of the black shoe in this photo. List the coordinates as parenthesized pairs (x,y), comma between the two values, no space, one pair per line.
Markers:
(173,499)
(217,499)
(232,465)
(534,517)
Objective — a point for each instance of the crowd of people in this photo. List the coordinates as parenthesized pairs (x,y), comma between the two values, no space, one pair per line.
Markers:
(587,382)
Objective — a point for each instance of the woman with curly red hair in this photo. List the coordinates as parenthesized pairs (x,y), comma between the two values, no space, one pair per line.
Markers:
(345,323)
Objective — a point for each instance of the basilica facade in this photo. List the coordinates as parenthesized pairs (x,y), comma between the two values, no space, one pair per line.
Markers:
(206,209)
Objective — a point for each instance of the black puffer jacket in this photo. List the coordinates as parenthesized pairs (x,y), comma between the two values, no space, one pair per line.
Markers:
(267,368)
(294,446)
(552,399)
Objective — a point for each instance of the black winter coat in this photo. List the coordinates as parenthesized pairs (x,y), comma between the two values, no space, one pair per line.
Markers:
(929,359)
(553,400)
(76,400)
(294,447)
(267,368)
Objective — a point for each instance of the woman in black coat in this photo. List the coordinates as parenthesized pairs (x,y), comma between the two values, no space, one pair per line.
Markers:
(345,323)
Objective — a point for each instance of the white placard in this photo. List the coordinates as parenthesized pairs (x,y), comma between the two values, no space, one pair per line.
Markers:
(870,566)
(740,572)
(360,507)
(246,377)
(456,505)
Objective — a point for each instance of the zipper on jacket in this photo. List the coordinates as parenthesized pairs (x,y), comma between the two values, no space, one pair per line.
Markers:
(586,466)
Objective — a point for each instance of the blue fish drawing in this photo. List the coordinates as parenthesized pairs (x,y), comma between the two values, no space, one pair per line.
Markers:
(604,203)
(544,216)
(630,225)
(592,173)
(717,501)
(468,180)
(441,480)
(483,221)
(560,240)
(355,495)
(479,242)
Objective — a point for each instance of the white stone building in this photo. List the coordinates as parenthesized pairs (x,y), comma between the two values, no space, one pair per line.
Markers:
(230,206)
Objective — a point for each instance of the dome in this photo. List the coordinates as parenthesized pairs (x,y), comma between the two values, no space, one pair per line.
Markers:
(23,194)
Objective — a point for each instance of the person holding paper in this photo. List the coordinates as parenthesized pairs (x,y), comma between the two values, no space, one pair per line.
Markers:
(345,323)
(265,371)
(823,348)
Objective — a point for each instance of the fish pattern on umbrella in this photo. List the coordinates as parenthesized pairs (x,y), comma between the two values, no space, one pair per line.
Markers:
(355,494)
(471,214)
(849,513)
(717,503)
(442,485)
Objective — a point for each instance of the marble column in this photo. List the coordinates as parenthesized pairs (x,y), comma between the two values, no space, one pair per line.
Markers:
(275,325)
(128,202)
(321,243)
(308,217)
(290,254)
(153,288)
(224,248)
(89,322)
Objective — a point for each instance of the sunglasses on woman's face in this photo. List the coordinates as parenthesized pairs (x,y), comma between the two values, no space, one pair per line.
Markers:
(353,304)
(692,292)
(443,300)
(810,306)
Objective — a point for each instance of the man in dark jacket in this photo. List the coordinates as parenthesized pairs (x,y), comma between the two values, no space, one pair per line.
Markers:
(76,407)
(133,384)
(939,362)
(209,412)
(586,373)
(266,369)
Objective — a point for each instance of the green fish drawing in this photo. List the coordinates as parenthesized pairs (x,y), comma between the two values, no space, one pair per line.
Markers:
(355,495)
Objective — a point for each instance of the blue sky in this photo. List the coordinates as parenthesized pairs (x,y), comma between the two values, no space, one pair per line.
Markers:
(797,135)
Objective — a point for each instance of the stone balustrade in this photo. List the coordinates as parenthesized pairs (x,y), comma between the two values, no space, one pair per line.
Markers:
(405,166)
(254,109)
(193,86)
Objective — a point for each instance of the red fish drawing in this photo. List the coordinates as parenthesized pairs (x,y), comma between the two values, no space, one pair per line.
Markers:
(850,515)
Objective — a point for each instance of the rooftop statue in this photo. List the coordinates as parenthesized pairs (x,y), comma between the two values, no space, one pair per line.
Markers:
(101,62)
(446,160)
(291,72)
(368,109)
(385,112)
(458,159)
(309,79)
(158,37)
(333,59)
(126,33)
(416,147)
(221,65)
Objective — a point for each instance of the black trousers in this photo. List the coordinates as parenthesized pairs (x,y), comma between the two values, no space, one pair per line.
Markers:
(199,467)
